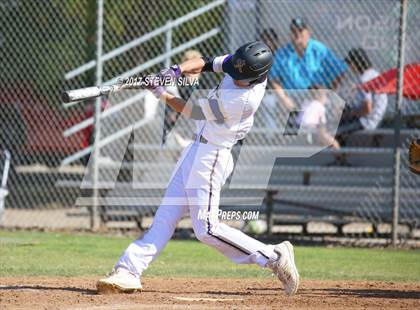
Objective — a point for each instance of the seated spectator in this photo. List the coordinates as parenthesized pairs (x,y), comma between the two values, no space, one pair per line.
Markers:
(302,63)
(186,91)
(270,38)
(312,118)
(368,109)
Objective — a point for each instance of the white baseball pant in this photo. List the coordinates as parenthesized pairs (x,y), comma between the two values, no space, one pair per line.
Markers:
(195,188)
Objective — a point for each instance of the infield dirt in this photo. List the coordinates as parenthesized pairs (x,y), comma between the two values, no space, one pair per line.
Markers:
(193,293)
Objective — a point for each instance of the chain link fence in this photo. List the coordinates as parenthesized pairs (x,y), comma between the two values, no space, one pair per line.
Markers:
(48,46)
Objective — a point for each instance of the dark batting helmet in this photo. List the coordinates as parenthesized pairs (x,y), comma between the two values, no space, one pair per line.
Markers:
(250,62)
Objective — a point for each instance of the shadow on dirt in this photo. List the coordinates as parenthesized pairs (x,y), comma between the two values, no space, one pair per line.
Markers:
(365,293)
(328,292)
(48,288)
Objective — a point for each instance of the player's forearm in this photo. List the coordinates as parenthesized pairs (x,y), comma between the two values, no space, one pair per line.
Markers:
(192,66)
(177,104)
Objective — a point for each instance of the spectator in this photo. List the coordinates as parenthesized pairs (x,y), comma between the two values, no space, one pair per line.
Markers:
(368,110)
(302,63)
(186,91)
(270,38)
(312,118)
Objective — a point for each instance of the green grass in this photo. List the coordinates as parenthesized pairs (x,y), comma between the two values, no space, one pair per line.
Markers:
(63,254)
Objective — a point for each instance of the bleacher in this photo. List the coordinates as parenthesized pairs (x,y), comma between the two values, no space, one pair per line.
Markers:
(300,190)
(361,190)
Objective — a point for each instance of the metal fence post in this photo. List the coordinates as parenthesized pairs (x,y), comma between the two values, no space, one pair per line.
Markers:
(168,48)
(269,211)
(397,123)
(95,220)
(168,44)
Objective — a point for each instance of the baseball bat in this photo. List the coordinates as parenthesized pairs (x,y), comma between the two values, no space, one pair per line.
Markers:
(96,91)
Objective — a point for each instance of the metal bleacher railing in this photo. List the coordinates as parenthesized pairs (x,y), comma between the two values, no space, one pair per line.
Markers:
(165,57)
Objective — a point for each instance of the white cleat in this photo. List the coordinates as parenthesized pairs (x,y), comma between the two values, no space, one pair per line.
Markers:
(119,281)
(285,268)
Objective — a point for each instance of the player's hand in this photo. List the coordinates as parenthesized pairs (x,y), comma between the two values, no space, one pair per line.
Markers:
(154,86)
(172,72)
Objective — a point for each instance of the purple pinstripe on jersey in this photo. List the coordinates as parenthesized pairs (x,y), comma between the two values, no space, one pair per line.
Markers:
(215,108)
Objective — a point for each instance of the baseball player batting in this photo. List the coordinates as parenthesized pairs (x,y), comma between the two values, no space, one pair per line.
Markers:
(223,118)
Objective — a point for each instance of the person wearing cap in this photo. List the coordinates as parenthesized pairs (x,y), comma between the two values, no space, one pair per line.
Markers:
(302,63)
(367,110)
(270,38)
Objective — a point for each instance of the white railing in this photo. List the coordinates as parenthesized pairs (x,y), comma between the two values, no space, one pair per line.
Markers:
(109,139)
(136,70)
(168,27)
(166,55)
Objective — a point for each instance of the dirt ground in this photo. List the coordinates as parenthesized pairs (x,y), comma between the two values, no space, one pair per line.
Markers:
(182,293)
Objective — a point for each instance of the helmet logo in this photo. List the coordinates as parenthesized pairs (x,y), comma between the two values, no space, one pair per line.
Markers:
(240,63)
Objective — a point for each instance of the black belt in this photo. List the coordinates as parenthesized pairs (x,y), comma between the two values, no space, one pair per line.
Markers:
(202,139)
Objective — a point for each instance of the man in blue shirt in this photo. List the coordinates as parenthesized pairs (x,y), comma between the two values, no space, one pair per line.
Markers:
(302,63)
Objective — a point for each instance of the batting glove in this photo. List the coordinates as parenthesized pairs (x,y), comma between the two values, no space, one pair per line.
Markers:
(154,86)
(172,72)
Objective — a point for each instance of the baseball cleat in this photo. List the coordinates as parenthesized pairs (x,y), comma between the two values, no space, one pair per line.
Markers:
(119,281)
(284,267)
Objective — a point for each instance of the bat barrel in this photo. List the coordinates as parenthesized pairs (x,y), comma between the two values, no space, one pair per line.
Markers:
(81,94)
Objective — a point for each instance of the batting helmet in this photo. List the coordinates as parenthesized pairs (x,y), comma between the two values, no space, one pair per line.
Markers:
(250,62)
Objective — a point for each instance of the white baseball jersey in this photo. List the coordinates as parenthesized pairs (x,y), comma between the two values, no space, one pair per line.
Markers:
(229,109)
(379,102)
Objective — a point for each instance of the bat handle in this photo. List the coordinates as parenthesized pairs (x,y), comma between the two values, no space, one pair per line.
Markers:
(107,89)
